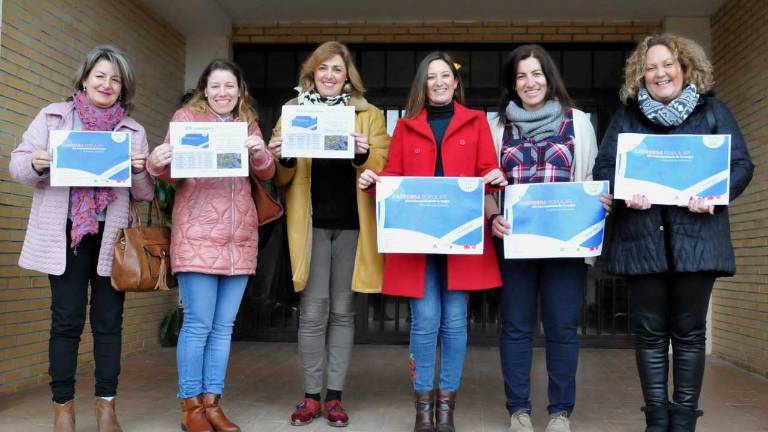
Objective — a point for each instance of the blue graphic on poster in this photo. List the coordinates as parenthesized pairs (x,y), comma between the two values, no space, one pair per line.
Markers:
(305,122)
(198,140)
(441,215)
(554,220)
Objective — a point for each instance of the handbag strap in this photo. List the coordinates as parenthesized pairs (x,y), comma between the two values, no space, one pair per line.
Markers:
(135,216)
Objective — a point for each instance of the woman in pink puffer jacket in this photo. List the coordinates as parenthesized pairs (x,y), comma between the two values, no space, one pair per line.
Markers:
(214,243)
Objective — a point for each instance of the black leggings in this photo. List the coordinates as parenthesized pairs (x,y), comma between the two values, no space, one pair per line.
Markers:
(69,297)
(670,306)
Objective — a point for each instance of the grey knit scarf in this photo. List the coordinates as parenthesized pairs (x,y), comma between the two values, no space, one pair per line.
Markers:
(537,125)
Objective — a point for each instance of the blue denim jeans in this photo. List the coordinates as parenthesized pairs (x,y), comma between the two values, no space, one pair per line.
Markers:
(557,285)
(439,313)
(210,308)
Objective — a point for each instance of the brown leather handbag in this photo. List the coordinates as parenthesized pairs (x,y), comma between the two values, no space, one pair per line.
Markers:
(142,259)
(267,208)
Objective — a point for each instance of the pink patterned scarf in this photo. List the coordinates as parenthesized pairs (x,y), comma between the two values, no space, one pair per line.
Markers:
(86,202)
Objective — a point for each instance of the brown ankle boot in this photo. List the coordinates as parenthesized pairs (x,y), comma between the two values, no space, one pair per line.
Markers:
(64,417)
(446,401)
(193,415)
(216,416)
(106,419)
(425,406)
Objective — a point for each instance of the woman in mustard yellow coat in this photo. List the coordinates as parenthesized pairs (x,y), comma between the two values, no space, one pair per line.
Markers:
(331,230)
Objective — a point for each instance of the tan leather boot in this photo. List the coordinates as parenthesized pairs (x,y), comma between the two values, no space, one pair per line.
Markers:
(193,415)
(64,417)
(215,414)
(425,412)
(106,419)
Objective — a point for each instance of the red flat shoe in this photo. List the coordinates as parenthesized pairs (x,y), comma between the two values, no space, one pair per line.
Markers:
(306,411)
(335,413)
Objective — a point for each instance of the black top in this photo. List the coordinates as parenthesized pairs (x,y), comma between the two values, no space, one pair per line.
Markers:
(334,194)
(334,191)
(438,118)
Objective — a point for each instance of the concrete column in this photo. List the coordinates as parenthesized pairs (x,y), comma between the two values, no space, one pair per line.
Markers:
(200,51)
(696,28)
(207,29)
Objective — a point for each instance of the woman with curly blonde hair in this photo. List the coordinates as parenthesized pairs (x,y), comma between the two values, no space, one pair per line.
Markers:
(671,255)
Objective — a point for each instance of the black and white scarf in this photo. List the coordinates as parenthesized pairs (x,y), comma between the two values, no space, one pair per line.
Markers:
(672,114)
(312,97)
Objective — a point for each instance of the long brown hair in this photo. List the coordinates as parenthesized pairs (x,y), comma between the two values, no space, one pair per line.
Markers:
(354,85)
(417,98)
(243,110)
(555,85)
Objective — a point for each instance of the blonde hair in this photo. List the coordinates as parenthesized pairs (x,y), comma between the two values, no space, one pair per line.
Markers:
(243,111)
(354,85)
(696,67)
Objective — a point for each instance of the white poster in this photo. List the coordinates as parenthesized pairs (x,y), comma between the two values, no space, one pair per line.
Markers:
(209,149)
(318,131)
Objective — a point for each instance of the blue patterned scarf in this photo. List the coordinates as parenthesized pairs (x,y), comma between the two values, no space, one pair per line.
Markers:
(672,114)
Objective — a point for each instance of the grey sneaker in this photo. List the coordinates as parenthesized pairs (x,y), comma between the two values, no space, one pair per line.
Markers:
(520,421)
(558,422)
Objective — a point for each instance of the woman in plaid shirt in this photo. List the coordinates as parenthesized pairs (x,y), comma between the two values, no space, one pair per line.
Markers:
(540,137)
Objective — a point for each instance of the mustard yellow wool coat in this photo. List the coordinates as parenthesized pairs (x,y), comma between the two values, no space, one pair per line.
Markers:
(367,275)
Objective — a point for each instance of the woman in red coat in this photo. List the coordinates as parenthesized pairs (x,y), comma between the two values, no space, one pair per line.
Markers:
(439,137)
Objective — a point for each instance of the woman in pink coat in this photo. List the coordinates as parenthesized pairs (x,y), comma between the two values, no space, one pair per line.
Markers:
(72,230)
(214,243)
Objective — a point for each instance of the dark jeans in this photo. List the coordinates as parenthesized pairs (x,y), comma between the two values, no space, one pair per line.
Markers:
(558,285)
(69,297)
(670,306)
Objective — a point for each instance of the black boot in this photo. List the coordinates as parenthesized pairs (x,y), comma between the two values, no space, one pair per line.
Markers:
(682,419)
(656,418)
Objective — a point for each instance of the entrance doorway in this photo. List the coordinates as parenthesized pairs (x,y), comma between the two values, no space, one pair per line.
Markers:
(593,75)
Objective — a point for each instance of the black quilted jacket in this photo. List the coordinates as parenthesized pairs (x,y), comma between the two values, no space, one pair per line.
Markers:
(670,238)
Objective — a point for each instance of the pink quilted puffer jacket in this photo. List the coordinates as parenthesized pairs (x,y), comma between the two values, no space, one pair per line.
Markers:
(215,228)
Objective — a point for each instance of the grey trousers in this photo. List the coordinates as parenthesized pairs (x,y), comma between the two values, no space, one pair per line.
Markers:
(327,309)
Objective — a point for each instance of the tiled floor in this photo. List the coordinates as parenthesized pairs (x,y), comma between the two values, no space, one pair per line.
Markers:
(264,383)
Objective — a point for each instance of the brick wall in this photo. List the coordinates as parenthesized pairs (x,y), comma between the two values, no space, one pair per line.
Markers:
(43,42)
(445,31)
(740,304)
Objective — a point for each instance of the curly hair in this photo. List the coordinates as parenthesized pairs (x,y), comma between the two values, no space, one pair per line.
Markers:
(696,67)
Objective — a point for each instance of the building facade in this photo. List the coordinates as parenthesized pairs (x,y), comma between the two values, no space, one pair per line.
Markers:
(42,41)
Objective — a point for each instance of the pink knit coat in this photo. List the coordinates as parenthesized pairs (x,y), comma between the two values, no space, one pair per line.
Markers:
(45,247)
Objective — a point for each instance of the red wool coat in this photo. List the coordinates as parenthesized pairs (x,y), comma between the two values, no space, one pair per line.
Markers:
(467,151)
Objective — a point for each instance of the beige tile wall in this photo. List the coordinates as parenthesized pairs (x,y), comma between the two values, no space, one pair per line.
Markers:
(42,43)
